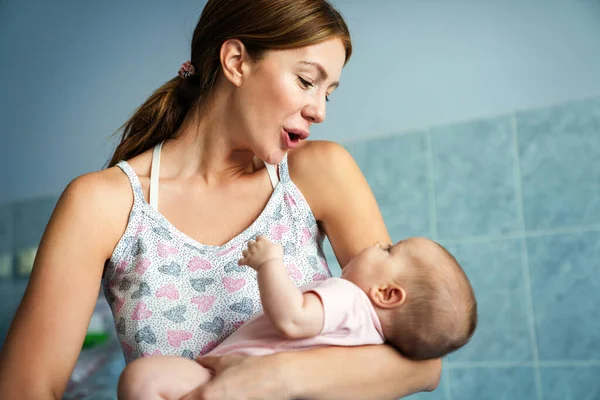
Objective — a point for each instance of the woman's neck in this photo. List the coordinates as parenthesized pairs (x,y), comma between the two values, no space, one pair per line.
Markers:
(205,147)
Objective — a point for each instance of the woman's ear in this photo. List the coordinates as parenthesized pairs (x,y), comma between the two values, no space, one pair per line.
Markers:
(234,61)
(388,296)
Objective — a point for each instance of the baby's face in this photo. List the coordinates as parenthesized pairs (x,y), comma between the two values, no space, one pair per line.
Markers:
(374,265)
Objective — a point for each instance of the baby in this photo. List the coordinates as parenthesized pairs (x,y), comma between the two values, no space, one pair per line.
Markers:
(413,295)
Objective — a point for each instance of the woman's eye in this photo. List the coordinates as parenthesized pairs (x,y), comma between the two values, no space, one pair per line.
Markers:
(305,83)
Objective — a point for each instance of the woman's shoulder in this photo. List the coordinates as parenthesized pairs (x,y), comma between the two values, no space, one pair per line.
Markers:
(103,196)
(99,186)
(317,157)
(322,170)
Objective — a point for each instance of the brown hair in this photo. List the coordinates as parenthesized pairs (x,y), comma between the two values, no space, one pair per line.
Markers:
(439,315)
(261,25)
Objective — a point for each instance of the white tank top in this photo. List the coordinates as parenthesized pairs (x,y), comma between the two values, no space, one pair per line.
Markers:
(171,295)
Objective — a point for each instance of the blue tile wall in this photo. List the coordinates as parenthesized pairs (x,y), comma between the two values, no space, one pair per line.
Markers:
(516,198)
(397,169)
(496,273)
(565,281)
(577,383)
(473,168)
(559,149)
(493,383)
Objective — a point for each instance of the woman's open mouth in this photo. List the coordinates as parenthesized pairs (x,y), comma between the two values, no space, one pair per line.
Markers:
(293,137)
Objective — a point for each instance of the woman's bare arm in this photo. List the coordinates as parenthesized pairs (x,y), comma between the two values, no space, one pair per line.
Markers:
(344,205)
(46,335)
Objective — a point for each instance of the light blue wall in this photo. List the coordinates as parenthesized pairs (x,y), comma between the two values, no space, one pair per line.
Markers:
(73,71)
(476,123)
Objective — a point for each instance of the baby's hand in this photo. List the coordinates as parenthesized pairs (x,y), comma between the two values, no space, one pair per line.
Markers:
(259,252)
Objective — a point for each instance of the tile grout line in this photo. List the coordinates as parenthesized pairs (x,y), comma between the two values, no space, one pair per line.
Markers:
(530,364)
(525,257)
(432,197)
(447,390)
(409,130)
(434,235)
(522,235)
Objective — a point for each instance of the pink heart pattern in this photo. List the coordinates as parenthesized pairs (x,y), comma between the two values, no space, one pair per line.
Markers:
(289,200)
(141,312)
(319,277)
(208,347)
(121,267)
(176,337)
(169,291)
(306,236)
(226,251)
(154,353)
(190,274)
(141,228)
(237,324)
(233,285)
(197,263)
(142,266)
(204,303)
(119,301)
(294,272)
(127,349)
(277,231)
(164,249)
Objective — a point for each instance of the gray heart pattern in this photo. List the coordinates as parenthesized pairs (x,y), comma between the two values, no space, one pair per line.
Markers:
(143,274)
(125,284)
(173,269)
(277,215)
(110,297)
(289,248)
(216,326)
(176,314)
(234,267)
(121,327)
(314,263)
(310,221)
(143,290)
(189,246)
(145,335)
(200,284)
(138,248)
(162,232)
(246,306)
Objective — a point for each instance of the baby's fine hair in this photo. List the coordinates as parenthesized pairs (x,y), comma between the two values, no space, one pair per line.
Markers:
(439,314)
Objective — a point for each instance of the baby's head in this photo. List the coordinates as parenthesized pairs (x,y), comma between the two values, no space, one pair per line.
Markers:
(421,294)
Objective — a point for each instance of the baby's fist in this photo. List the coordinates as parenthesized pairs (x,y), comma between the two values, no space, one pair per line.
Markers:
(260,251)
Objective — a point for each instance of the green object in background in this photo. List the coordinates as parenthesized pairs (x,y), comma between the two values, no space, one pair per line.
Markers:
(94,339)
(25,258)
(6,265)
(98,329)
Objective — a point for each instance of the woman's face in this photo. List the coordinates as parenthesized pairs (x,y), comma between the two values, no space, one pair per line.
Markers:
(285,93)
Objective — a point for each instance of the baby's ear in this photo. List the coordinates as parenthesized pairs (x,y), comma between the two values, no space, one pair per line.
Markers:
(388,296)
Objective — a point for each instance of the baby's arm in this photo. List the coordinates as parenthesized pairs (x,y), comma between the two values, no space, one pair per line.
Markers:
(294,314)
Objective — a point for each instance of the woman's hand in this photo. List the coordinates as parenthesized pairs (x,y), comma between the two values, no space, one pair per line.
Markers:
(239,377)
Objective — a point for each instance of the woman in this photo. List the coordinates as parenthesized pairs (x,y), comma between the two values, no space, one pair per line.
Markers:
(221,145)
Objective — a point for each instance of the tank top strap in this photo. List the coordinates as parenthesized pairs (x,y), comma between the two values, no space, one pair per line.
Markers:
(284,173)
(272,170)
(136,186)
(154,174)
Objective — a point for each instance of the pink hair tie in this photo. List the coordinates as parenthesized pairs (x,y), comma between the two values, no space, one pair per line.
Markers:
(187,69)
